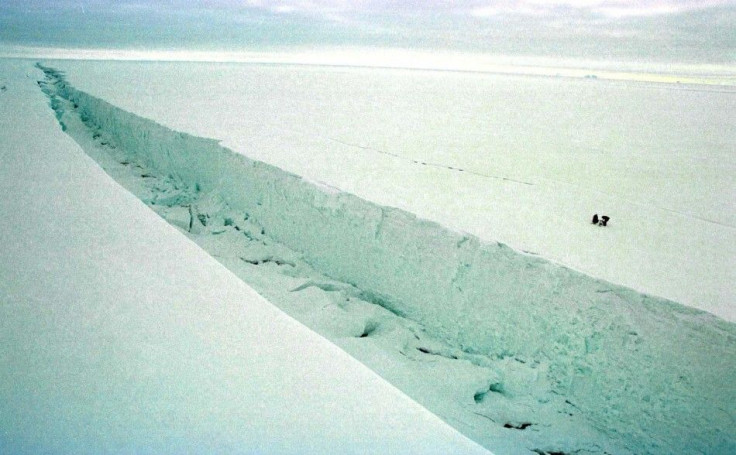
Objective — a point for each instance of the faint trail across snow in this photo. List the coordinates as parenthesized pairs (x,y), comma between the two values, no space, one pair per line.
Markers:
(546,180)
(426,163)
(543,181)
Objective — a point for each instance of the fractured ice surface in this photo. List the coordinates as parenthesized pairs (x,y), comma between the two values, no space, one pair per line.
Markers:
(641,370)
(118,335)
(655,157)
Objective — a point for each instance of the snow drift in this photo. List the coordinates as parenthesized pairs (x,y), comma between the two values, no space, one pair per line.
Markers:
(118,335)
(650,371)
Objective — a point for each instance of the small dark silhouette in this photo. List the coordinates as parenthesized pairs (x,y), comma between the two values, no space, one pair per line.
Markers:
(602,221)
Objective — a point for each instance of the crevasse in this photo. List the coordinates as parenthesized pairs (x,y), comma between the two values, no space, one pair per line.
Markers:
(651,371)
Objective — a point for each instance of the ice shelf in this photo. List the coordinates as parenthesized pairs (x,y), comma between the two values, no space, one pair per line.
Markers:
(653,372)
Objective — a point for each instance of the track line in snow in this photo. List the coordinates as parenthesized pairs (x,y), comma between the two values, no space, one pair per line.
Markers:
(428,163)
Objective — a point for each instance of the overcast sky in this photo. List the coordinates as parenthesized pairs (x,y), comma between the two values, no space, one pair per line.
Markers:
(670,30)
(485,8)
(479,8)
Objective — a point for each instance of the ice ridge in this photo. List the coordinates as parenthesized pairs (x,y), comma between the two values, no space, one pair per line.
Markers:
(649,372)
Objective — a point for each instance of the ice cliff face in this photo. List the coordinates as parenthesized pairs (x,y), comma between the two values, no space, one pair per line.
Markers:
(649,372)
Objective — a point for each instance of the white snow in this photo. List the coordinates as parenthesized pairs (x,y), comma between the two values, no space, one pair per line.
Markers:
(404,58)
(117,334)
(497,342)
(538,156)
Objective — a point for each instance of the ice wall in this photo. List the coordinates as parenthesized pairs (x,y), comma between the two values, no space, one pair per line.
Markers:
(617,355)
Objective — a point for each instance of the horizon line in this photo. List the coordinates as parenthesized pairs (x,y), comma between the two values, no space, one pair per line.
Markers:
(407,59)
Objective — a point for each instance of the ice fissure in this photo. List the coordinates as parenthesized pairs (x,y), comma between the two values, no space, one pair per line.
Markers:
(647,372)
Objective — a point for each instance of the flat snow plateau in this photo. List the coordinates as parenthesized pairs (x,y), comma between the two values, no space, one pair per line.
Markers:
(519,353)
(526,161)
(119,335)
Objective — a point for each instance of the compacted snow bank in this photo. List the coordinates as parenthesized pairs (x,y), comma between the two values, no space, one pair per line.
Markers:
(119,335)
(632,373)
(521,160)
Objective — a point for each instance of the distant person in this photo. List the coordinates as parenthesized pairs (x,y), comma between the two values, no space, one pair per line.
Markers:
(602,221)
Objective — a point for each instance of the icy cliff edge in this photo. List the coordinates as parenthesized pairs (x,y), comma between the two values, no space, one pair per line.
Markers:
(619,355)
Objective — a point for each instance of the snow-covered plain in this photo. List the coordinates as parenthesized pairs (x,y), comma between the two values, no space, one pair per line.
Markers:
(119,335)
(554,360)
(521,160)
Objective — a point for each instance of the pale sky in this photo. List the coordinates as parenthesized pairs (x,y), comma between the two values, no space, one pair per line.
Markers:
(702,31)
(478,8)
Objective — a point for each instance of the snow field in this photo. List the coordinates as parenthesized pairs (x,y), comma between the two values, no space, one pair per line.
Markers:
(119,335)
(521,160)
(449,382)
(604,348)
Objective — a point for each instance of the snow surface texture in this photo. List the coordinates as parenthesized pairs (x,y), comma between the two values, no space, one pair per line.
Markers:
(522,160)
(118,335)
(548,334)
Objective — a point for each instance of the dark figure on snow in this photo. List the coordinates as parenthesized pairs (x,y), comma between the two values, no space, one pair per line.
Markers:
(602,221)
